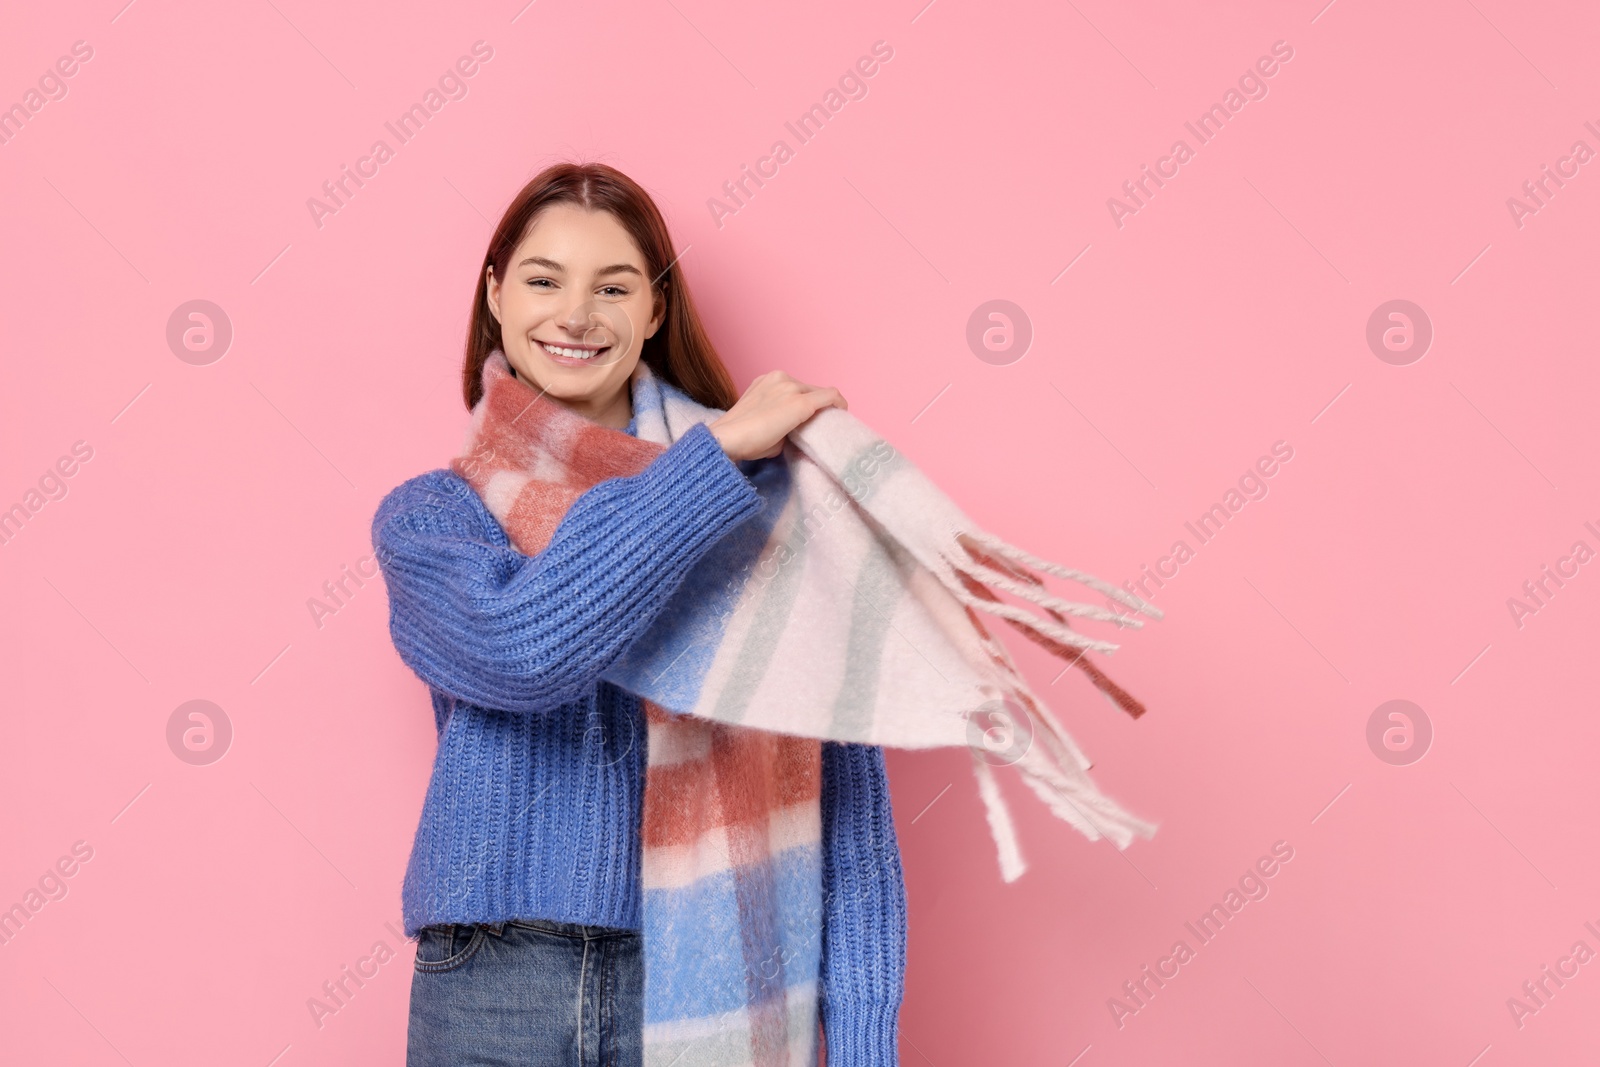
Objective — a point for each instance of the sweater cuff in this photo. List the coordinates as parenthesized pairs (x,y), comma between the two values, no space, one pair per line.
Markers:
(861,1033)
(701,471)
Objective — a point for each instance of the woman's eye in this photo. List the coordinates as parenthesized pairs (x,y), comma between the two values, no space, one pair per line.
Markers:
(614,290)
(540,282)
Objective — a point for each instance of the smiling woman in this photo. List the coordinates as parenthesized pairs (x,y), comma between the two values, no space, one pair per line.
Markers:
(572,836)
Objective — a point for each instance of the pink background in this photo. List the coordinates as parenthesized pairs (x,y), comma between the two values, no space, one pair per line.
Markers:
(1227,314)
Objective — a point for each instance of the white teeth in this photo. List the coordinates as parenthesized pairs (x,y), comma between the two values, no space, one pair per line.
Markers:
(571,353)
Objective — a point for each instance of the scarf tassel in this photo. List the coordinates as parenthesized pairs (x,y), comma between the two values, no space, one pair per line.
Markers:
(1052,765)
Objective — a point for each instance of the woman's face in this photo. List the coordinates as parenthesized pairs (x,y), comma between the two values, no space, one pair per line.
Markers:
(575,309)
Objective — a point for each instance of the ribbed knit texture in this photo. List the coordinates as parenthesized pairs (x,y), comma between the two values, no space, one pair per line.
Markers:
(533,809)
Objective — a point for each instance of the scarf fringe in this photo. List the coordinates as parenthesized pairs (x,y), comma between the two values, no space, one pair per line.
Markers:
(1053,766)
(1012,865)
(1035,592)
(974,594)
(1058,779)
(1007,552)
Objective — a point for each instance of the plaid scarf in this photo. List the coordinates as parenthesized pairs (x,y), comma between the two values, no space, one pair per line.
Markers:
(849,608)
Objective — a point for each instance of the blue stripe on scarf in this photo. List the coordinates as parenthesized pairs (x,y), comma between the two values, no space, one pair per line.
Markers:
(668,663)
(711,974)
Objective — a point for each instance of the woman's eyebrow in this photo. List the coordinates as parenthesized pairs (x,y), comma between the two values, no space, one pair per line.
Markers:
(550,264)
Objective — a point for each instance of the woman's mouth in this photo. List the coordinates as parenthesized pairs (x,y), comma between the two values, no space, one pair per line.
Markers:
(573,355)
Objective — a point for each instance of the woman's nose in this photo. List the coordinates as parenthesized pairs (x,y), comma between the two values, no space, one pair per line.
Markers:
(578,319)
(595,322)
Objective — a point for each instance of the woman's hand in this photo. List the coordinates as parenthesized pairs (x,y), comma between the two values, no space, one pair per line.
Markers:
(754,428)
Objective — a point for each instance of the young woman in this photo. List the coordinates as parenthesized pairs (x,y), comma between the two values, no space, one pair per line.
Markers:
(523,886)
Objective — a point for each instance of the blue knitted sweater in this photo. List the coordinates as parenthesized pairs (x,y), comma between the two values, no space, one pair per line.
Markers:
(534,805)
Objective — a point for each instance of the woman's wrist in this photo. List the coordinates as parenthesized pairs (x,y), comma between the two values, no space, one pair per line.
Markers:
(729,440)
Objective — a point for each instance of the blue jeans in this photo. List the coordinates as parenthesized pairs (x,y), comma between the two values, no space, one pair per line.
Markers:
(528,993)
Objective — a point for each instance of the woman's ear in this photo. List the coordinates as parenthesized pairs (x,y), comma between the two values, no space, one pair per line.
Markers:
(493,292)
(658,314)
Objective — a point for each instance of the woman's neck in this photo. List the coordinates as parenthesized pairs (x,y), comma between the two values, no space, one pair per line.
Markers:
(614,412)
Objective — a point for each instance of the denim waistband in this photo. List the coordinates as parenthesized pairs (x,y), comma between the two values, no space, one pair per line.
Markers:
(554,926)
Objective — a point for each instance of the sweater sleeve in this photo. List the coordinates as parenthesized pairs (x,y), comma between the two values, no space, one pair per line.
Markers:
(864,909)
(480,621)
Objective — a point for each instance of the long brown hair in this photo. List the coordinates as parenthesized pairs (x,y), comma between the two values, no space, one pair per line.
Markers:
(680,351)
